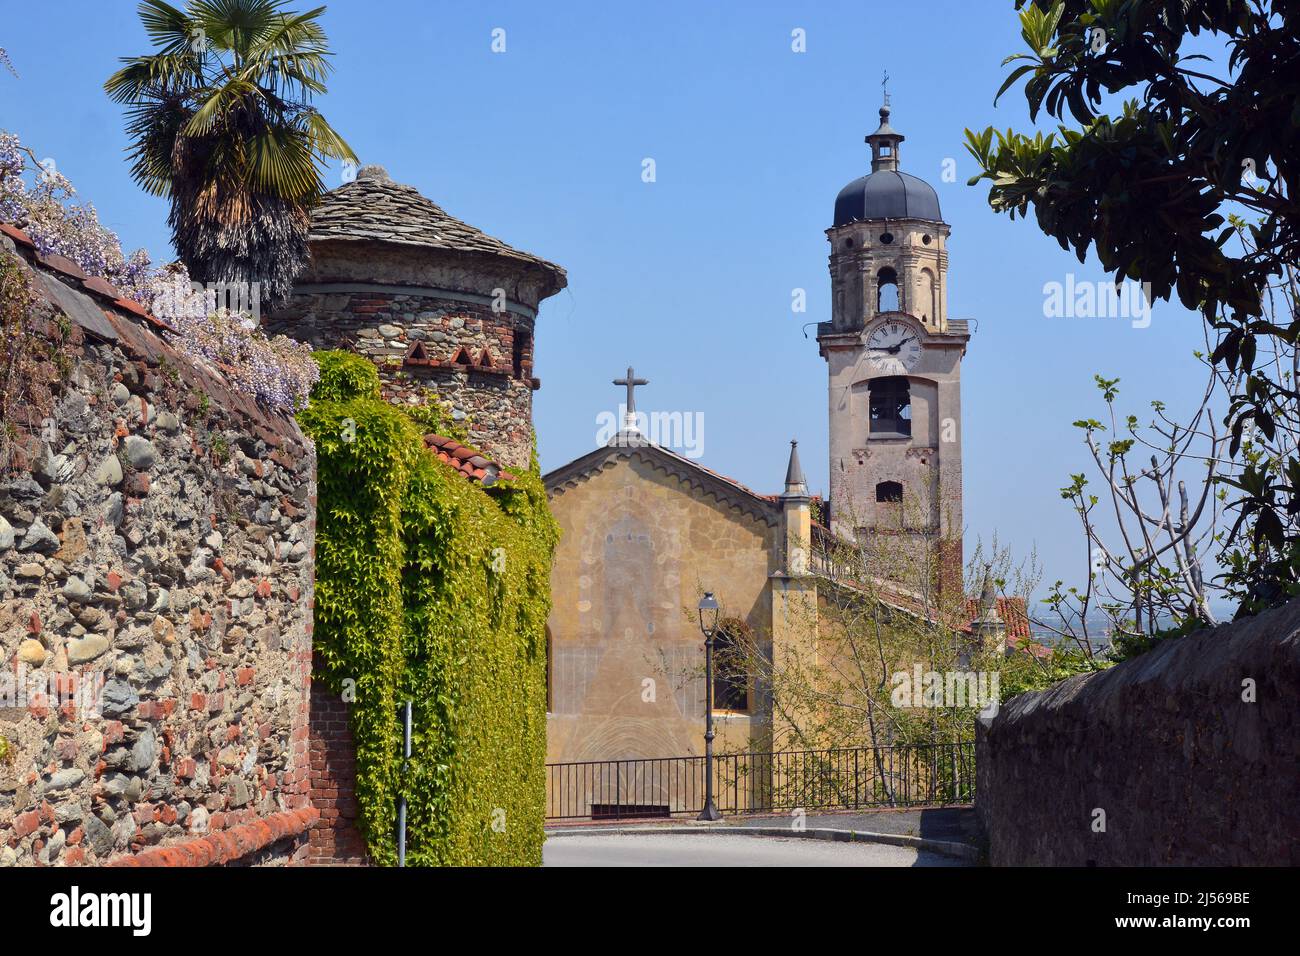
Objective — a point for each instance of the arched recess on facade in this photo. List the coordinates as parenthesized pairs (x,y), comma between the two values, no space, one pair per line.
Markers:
(929,292)
(889,295)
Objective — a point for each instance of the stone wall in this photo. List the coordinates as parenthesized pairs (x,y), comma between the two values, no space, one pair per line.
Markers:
(1186,755)
(155,626)
(478,361)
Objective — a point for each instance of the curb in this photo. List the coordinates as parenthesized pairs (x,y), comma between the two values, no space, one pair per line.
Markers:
(962,851)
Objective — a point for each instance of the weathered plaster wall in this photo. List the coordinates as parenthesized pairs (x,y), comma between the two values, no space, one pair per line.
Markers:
(637,548)
(1186,769)
(156,557)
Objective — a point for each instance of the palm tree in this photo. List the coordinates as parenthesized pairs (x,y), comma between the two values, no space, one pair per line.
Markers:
(222,124)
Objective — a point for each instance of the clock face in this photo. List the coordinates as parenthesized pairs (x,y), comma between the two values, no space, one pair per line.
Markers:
(894,348)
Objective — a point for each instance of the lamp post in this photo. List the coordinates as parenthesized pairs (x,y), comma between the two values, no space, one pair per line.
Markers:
(709,626)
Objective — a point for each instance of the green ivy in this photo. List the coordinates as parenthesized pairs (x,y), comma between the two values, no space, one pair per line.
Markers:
(435,590)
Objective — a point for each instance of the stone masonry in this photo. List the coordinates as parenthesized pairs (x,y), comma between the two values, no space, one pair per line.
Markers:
(477,361)
(156,551)
(440,307)
(1186,755)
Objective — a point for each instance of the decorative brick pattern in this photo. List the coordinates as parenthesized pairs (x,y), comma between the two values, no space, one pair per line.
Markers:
(477,361)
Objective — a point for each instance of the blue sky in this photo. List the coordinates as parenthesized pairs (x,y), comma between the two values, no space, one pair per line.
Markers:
(688,278)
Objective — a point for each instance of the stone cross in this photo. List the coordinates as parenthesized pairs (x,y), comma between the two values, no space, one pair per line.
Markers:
(631,381)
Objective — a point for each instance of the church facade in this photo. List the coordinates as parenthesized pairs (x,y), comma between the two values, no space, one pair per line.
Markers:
(646,531)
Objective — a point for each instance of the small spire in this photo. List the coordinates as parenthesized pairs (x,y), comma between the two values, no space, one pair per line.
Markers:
(988,606)
(795,485)
(884,141)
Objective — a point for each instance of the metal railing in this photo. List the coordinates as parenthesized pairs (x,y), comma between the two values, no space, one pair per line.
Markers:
(846,778)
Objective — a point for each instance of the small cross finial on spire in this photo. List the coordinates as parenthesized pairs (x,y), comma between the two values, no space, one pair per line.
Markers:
(884,85)
(631,381)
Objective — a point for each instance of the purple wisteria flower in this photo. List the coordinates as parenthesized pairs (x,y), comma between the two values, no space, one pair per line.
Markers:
(278,372)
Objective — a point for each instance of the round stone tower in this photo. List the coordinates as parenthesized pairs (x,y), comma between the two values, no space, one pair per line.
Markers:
(435,303)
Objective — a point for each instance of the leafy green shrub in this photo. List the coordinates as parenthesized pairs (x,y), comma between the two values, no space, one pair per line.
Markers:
(432,589)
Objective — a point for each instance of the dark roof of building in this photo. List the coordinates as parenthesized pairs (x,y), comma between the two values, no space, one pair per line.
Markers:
(373,208)
(887,194)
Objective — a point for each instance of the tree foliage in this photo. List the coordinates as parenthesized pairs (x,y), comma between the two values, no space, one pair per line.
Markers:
(1151,191)
(222,124)
(433,590)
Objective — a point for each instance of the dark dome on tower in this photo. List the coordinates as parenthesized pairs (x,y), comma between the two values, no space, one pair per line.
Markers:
(885,192)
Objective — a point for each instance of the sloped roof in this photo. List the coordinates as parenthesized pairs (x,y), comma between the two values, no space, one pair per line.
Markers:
(627,445)
(100,310)
(373,208)
(103,311)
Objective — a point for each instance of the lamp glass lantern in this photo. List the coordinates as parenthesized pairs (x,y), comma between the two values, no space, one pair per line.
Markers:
(709,626)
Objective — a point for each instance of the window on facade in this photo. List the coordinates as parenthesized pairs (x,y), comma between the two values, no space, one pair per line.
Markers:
(889,491)
(521,352)
(887,290)
(730,682)
(891,406)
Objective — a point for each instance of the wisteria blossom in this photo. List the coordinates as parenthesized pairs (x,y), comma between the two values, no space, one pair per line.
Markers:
(277,371)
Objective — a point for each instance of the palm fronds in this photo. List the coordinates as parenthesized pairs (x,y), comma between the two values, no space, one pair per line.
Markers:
(221,123)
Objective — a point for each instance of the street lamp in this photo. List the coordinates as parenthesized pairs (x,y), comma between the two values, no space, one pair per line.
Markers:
(709,627)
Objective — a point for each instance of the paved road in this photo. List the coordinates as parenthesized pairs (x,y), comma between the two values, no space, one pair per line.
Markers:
(724,849)
(952,824)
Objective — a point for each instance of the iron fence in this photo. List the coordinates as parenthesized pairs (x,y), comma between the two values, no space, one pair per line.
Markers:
(847,778)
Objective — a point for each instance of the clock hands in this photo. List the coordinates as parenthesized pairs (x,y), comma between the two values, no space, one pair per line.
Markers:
(894,349)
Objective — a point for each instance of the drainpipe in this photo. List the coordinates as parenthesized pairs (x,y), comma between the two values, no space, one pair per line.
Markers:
(401,801)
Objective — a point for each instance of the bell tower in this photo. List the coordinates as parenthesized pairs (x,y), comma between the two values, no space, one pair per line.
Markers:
(893,358)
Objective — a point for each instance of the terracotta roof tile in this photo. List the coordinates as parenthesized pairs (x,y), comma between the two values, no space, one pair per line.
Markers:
(102,286)
(1012,610)
(468,461)
(17,235)
(61,264)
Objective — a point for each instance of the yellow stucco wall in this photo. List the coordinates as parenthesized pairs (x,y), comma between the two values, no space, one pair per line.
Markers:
(638,547)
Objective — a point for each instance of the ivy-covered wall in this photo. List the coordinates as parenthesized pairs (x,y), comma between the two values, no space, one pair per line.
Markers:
(433,589)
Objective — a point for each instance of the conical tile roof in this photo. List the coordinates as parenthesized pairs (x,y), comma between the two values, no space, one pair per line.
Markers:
(373,208)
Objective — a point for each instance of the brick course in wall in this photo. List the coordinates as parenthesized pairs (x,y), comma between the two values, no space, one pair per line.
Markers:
(335,839)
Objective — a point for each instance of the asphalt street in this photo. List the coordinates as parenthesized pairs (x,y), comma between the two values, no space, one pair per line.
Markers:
(725,849)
